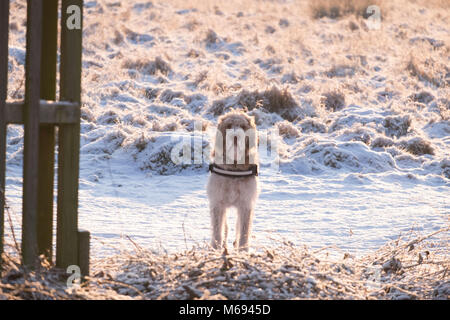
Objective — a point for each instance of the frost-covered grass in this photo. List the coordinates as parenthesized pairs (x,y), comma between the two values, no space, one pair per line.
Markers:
(151,68)
(410,267)
(340,8)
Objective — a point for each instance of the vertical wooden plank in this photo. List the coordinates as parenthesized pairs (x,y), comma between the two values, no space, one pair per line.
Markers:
(83,252)
(47,132)
(31,138)
(4,26)
(69,138)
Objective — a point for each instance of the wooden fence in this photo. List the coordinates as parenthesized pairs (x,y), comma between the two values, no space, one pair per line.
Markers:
(41,114)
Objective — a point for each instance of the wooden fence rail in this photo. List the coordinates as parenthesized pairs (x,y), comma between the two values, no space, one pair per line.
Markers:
(40,113)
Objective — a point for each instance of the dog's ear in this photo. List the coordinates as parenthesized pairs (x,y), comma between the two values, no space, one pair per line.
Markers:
(220,123)
(219,142)
(251,121)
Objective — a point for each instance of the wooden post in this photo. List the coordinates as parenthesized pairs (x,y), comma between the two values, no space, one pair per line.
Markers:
(31,139)
(69,141)
(4,26)
(47,132)
(83,252)
(72,246)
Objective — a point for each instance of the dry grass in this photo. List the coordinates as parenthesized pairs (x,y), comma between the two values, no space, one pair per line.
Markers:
(340,8)
(426,70)
(411,267)
(287,129)
(382,142)
(149,67)
(444,109)
(397,126)
(417,146)
(333,100)
(278,101)
(211,38)
(271,100)
(444,4)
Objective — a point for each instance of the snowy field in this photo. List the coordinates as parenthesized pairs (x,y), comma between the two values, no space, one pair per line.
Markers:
(363,117)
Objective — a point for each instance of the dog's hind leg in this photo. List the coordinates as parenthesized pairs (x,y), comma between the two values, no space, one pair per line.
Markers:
(243,227)
(219,230)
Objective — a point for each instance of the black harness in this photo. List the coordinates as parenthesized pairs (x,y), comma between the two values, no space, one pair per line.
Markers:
(253,171)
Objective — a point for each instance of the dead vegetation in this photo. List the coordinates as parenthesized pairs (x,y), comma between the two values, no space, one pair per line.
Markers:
(312,125)
(149,67)
(417,146)
(444,109)
(211,39)
(428,69)
(444,4)
(382,142)
(333,100)
(287,129)
(341,71)
(397,126)
(336,9)
(411,267)
(271,100)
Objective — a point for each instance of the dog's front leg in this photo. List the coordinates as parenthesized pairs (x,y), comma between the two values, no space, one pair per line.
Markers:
(243,228)
(225,224)
(218,223)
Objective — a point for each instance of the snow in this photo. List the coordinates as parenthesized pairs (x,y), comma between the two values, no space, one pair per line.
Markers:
(352,177)
(171,212)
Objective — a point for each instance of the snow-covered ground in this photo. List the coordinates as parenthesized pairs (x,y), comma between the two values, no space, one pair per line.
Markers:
(363,116)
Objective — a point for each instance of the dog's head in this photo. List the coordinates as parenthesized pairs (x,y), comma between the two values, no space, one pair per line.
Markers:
(236,141)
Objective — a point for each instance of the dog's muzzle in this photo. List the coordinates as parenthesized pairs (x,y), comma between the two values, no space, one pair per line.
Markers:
(253,171)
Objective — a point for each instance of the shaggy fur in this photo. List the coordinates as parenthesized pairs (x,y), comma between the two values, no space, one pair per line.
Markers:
(226,192)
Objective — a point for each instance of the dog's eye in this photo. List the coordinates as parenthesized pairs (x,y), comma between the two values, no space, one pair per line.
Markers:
(229,126)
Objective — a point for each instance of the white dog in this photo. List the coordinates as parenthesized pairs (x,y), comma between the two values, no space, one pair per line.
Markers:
(233,181)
